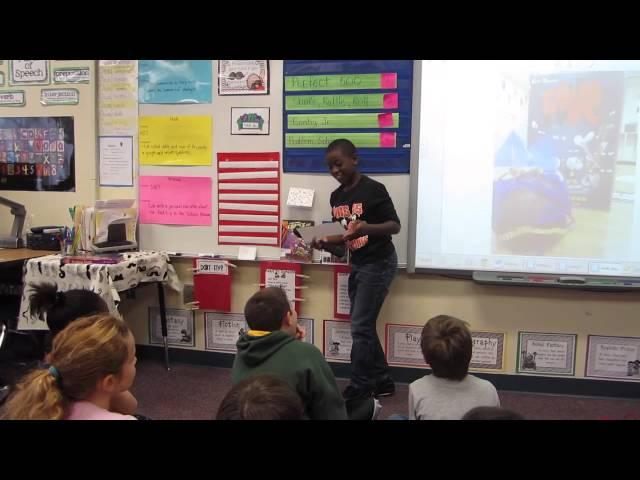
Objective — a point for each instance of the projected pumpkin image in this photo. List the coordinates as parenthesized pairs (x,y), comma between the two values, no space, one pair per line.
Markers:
(531,204)
(555,191)
(531,212)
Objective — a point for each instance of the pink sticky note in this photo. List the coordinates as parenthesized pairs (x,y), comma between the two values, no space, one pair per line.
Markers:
(385,120)
(389,80)
(388,140)
(390,100)
(175,200)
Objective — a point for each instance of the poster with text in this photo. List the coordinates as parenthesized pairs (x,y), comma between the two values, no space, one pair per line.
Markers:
(243,77)
(402,345)
(250,121)
(175,200)
(118,98)
(546,353)
(29,72)
(180,327)
(307,324)
(337,340)
(613,357)
(284,279)
(37,154)
(488,351)
(341,300)
(175,81)
(116,161)
(222,331)
(176,140)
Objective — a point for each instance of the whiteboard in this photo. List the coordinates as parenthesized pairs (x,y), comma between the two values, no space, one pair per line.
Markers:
(197,239)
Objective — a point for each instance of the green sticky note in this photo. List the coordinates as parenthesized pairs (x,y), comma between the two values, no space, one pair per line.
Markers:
(354,81)
(321,140)
(342,120)
(342,102)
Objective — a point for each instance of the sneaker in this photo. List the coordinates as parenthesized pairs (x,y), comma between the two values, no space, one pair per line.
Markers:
(4,394)
(384,387)
(377,408)
(352,392)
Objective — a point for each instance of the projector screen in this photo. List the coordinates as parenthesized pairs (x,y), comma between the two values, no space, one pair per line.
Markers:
(526,166)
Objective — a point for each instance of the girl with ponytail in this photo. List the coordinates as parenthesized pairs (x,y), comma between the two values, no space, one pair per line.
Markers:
(59,309)
(92,361)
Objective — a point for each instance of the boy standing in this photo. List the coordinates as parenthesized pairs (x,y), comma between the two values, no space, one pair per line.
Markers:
(366,210)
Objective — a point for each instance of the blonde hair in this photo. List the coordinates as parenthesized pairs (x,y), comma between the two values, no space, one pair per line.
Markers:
(84,352)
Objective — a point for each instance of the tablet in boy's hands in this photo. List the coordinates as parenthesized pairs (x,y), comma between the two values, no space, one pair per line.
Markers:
(320,231)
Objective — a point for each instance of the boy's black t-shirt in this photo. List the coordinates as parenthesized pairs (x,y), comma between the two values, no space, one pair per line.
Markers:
(368,201)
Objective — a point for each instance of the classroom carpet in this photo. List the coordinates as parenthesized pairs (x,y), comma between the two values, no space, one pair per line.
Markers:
(194,392)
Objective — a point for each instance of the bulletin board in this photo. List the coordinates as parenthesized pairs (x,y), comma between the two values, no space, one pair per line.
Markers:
(52,98)
(204,239)
(365,101)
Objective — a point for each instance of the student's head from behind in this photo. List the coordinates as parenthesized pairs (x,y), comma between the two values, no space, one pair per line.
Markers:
(492,413)
(269,310)
(261,397)
(62,308)
(342,160)
(446,345)
(93,356)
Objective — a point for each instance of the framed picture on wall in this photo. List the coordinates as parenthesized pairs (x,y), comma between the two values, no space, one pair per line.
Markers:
(546,353)
(180,327)
(613,357)
(250,121)
(488,351)
(243,77)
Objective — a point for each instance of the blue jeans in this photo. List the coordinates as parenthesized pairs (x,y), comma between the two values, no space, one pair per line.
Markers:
(398,416)
(368,287)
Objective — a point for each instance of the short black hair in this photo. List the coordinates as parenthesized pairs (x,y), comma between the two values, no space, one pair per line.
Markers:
(346,146)
(492,413)
(261,397)
(62,308)
(266,308)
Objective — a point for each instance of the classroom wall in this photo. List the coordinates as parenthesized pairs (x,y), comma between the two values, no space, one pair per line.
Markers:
(413,298)
(50,208)
(204,239)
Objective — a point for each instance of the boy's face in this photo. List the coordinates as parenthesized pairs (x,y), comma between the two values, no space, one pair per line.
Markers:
(341,166)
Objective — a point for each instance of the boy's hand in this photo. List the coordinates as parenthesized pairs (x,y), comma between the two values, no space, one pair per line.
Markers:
(355,229)
(300,332)
(318,243)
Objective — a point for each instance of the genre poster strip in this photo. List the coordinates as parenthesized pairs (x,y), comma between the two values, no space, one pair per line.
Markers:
(337,340)
(546,353)
(180,327)
(613,357)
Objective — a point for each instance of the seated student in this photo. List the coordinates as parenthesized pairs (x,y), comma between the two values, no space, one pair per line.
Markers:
(492,413)
(450,392)
(273,346)
(261,397)
(62,308)
(92,360)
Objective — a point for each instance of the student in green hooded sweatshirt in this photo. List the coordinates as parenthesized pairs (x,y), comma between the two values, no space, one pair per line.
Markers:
(273,345)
